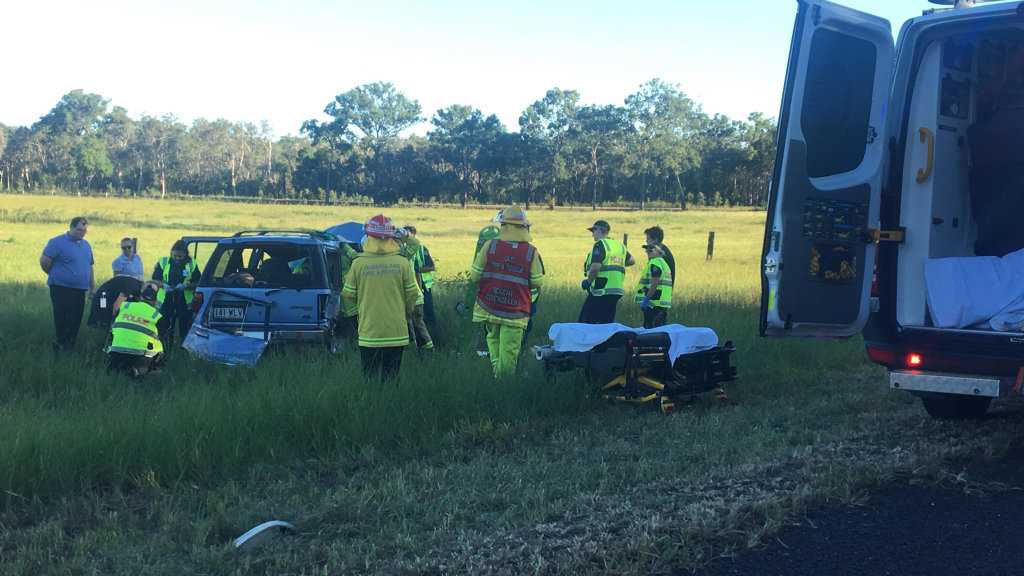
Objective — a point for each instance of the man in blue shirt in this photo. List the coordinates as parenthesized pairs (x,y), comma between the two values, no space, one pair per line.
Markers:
(68,263)
(128,263)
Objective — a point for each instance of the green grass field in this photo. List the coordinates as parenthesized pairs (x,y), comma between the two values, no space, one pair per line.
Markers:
(447,471)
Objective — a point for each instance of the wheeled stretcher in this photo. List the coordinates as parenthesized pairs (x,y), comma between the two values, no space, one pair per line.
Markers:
(641,366)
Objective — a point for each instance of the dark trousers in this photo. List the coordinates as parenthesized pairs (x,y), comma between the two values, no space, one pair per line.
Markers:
(175,313)
(381,363)
(68,307)
(599,309)
(655,317)
(133,365)
(428,309)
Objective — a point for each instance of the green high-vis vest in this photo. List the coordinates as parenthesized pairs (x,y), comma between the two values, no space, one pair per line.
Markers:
(186,274)
(421,259)
(663,297)
(613,269)
(134,330)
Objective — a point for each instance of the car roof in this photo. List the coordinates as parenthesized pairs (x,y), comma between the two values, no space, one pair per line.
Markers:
(279,237)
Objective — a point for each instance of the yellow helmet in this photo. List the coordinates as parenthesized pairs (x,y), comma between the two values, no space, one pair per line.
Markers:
(513,215)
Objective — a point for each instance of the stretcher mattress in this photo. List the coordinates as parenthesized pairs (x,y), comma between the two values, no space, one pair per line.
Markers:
(574,337)
(981,291)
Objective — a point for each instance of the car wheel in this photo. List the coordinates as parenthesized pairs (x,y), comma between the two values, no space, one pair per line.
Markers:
(956,406)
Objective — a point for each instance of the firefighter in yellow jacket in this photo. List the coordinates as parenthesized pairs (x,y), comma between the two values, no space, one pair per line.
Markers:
(135,346)
(505,270)
(381,285)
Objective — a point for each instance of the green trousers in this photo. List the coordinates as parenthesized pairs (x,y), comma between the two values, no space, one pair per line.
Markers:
(503,344)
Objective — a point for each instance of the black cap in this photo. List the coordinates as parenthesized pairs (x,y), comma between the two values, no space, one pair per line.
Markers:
(603,225)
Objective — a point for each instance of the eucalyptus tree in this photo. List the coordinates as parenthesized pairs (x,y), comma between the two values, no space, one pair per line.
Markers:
(159,141)
(665,122)
(597,131)
(547,124)
(370,116)
(463,140)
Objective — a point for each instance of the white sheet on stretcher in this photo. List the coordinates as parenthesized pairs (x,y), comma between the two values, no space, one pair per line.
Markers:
(980,290)
(573,337)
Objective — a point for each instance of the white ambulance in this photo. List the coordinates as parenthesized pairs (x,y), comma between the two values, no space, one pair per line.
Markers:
(897,201)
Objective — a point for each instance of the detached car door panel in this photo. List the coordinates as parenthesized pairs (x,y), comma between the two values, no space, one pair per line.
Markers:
(818,257)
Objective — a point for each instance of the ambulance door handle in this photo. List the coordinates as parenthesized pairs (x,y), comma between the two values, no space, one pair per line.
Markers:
(923,174)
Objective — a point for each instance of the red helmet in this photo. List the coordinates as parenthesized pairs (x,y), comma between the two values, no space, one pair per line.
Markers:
(380,226)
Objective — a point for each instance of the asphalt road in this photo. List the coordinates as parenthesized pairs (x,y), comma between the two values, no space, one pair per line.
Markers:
(973,527)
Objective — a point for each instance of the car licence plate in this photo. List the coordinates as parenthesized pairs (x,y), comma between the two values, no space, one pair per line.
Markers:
(229,313)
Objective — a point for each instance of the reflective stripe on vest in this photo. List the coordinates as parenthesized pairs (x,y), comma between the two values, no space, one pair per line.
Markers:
(613,269)
(134,330)
(663,298)
(504,287)
(186,275)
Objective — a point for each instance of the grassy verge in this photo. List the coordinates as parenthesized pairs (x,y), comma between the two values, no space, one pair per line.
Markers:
(608,490)
(447,471)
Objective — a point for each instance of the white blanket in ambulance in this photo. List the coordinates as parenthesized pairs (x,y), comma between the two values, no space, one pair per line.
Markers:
(574,337)
(981,291)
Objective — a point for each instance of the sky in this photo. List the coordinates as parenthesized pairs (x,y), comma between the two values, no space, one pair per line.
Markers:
(284,61)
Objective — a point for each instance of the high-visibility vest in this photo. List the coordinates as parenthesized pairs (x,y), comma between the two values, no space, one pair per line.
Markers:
(663,297)
(299,266)
(348,255)
(504,287)
(186,274)
(134,330)
(613,269)
(420,258)
(420,298)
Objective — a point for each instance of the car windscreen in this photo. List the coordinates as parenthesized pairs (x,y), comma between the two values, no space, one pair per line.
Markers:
(265,265)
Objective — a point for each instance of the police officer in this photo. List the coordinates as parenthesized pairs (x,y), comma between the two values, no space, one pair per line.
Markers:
(605,271)
(135,346)
(505,270)
(654,294)
(178,276)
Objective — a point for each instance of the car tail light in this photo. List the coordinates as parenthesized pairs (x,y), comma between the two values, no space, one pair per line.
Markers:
(914,360)
(197,302)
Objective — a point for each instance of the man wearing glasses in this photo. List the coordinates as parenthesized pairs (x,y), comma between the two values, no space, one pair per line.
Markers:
(129,263)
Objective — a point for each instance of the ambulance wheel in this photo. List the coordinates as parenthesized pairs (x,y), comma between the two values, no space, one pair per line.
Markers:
(955,406)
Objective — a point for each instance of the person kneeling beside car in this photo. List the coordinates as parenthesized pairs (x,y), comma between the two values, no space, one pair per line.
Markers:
(135,348)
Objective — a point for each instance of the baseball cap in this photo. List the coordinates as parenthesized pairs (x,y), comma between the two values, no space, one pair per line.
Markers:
(603,225)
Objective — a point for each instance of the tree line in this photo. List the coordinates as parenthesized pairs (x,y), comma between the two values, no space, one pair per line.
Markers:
(657,147)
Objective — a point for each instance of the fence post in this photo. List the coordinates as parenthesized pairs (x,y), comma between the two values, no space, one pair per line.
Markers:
(711,245)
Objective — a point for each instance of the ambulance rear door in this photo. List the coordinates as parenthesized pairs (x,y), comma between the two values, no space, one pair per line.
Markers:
(818,254)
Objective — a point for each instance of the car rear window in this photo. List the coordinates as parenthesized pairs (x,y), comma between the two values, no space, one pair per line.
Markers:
(265,265)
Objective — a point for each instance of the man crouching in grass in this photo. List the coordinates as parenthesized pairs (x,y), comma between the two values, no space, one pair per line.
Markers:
(381,286)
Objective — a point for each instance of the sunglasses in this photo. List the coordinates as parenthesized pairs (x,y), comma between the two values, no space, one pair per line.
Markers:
(126,247)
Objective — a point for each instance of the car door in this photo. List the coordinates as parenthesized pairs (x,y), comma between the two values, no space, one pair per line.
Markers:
(824,197)
(200,248)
